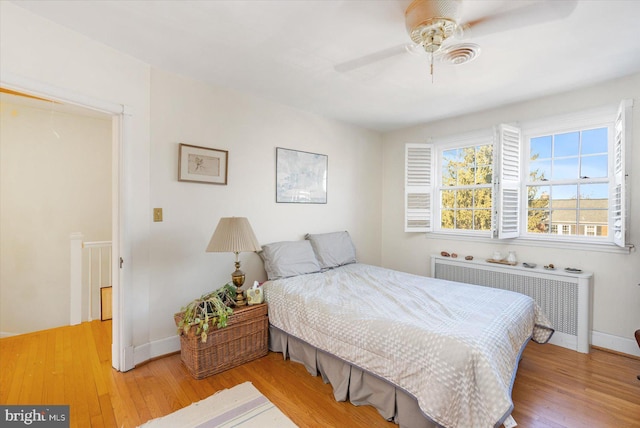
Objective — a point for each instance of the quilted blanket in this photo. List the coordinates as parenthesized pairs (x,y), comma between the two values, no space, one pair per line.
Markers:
(454,346)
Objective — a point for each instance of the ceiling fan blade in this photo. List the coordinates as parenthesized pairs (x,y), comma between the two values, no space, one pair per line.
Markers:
(531,14)
(371,58)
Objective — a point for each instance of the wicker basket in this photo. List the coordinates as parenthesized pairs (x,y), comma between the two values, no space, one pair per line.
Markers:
(243,339)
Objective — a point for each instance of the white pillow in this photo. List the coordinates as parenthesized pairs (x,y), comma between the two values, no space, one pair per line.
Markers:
(289,258)
(333,249)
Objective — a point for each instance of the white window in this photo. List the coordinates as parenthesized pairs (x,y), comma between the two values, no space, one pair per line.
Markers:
(568,181)
(571,185)
(574,184)
(465,193)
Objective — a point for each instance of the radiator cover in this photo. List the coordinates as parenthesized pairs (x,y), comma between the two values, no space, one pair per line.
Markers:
(564,297)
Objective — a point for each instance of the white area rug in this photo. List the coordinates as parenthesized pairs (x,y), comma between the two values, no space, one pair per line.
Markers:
(241,406)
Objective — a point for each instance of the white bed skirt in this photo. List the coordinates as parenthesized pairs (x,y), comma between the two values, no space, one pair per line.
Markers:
(352,383)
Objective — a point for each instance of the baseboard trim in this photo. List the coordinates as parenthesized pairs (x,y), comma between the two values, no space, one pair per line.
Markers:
(155,349)
(619,344)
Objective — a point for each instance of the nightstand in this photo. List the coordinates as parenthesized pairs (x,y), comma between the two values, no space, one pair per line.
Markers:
(244,339)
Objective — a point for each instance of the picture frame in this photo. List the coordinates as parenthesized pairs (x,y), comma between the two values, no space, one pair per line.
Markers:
(301,177)
(202,164)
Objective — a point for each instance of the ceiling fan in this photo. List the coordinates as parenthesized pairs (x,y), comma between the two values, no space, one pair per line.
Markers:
(433,25)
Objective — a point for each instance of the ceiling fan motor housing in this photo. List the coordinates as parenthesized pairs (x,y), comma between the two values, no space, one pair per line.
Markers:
(431,22)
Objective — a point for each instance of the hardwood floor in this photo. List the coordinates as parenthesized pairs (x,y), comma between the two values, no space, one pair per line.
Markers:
(555,387)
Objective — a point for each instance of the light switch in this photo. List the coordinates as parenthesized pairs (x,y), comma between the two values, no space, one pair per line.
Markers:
(157,214)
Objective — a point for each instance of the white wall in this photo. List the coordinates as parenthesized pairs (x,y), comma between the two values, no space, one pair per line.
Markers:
(55,179)
(616,304)
(186,111)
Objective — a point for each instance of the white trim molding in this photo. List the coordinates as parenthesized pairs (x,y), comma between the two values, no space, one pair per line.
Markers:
(615,343)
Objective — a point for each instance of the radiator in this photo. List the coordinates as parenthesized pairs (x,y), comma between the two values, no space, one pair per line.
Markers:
(564,297)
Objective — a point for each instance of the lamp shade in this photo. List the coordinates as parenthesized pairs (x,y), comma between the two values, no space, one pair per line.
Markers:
(233,235)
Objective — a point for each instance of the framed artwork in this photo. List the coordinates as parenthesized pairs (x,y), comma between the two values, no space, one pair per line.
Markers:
(202,164)
(301,177)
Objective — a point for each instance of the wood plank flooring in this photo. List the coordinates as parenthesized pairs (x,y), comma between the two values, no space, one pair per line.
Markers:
(555,387)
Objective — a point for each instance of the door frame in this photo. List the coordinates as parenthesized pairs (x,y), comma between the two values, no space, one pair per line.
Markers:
(121,249)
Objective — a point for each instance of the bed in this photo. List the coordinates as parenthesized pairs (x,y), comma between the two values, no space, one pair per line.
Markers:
(425,352)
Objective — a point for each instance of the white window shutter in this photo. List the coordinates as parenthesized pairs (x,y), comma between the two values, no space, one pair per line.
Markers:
(622,130)
(507,200)
(418,190)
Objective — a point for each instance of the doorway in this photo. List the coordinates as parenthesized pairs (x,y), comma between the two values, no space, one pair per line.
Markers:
(118,124)
(55,178)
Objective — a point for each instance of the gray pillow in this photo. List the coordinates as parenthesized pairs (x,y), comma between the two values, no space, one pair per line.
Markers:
(333,249)
(289,258)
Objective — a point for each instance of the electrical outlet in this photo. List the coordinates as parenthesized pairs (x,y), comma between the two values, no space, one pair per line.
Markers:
(157,214)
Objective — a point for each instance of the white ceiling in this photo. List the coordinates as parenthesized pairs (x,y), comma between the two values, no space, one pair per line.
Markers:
(287,51)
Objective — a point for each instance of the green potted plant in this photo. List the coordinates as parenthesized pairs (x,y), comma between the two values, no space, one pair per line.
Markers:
(202,313)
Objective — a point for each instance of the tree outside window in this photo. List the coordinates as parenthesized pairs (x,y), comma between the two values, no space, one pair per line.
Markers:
(466,193)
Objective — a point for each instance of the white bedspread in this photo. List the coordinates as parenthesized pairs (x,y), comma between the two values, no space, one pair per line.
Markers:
(454,346)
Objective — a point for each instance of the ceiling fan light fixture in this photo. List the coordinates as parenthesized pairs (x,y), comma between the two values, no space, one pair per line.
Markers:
(431,22)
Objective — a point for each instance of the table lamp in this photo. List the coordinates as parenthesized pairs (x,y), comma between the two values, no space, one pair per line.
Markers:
(234,235)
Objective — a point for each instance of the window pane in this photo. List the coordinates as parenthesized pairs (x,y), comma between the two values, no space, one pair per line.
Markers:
(464,219)
(540,170)
(594,218)
(564,196)
(484,175)
(540,148)
(594,166)
(449,167)
(483,198)
(449,156)
(565,169)
(448,199)
(448,219)
(538,221)
(594,141)
(594,209)
(468,156)
(465,198)
(566,144)
(484,155)
(538,196)
(467,170)
(482,220)
(565,219)
(451,179)
(466,176)
(597,191)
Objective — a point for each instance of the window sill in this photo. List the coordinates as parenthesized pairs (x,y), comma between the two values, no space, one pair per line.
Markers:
(607,247)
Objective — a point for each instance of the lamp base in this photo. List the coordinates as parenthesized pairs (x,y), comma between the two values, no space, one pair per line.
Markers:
(237,278)
(240,299)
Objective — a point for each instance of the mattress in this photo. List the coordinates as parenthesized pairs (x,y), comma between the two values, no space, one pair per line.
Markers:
(454,347)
